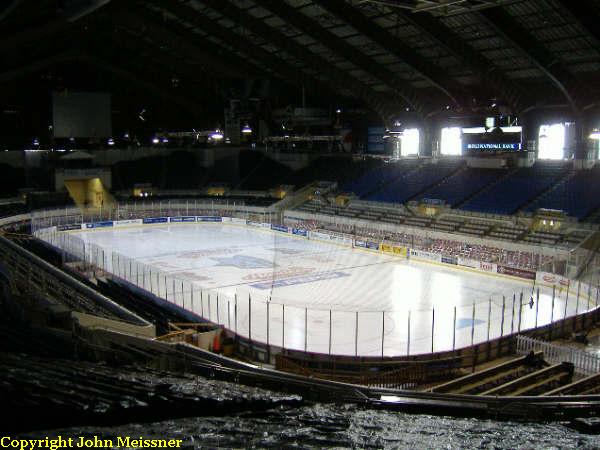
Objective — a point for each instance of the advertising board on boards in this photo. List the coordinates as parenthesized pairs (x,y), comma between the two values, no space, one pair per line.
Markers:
(280,228)
(127,222)
(551,279)
(151,220)
(71,226)
(425,255)
(299,232)
(209,219)
(180,219)
(449,260)
(104,224)
(513,271)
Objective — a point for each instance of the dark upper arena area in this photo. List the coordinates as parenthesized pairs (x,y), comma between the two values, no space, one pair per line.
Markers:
(186,91)
(182,62)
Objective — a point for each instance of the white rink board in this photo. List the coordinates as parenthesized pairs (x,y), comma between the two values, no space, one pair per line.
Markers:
(311,277)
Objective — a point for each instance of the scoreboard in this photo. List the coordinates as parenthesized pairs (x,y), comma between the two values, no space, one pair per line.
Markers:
(496,141)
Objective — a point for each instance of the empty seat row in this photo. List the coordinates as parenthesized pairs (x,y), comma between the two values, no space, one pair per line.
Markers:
(514,191)
(578,196)
(413,182)
(462,185)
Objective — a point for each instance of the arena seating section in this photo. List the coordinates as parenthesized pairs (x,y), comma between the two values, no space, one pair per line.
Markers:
(579,195)
(445,247)
(547,184)
(412,182)
(142,305)
(378,177)
(463,184)
(512,192)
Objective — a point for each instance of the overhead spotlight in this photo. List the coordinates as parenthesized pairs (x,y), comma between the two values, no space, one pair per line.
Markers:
(126,136)
(36,142)
(217,135)
(338,111)
(110,141)
(407,109)
(246,129)
(447,106)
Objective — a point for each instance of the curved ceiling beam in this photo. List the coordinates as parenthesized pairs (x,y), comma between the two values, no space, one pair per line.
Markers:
(192,48)
(255,54)
(519,37)
(584,13)
(339,46)
(9,9)
(481,67)
(134,78)
(81,10)
(394,46)
(336,78)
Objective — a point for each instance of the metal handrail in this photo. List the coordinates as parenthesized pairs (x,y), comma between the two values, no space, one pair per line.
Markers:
(584,362)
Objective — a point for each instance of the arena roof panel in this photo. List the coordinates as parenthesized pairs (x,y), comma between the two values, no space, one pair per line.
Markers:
(428,54)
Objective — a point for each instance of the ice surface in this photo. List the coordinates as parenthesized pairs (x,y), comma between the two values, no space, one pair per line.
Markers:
(301,281)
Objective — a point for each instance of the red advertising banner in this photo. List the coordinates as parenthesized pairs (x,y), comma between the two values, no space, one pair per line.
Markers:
(521,273)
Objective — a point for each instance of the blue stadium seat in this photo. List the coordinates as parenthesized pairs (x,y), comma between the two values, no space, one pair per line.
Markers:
(508,195)
(412,183)
(462,185)
(378,177)
(578,196)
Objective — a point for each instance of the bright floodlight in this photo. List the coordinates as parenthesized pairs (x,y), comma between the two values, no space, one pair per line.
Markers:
(111,141)
(155,140)
(451,142)
(595,135)
(552,141)
(246,129)
(217,135)
(409,144)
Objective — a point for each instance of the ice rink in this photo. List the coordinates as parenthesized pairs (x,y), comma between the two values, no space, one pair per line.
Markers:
(303,294)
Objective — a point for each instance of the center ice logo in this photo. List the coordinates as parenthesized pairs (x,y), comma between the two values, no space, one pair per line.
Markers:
(244,262)
(467,323)
(287,251)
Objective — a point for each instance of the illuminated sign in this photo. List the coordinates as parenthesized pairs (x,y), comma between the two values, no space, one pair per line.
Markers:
(494,146)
